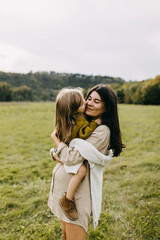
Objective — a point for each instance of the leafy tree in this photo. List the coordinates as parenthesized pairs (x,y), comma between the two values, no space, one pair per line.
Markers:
(22,93)
(5,92)
(151,93)
(5,77)
(120,95)
(138,95)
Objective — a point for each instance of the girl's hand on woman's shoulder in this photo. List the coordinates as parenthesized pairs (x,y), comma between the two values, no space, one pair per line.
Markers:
(98,121)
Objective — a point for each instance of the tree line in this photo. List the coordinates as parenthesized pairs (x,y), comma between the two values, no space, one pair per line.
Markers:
(144,92)
(44,86)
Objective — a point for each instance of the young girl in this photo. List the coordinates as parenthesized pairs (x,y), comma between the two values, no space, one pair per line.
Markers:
(71,123)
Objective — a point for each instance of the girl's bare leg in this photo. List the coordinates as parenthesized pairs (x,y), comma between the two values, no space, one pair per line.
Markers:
(75,181)
(73,232)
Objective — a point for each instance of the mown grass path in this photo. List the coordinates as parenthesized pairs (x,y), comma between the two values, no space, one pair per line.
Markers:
(130,208)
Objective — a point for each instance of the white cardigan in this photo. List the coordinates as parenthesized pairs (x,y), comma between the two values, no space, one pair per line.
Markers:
(96,161)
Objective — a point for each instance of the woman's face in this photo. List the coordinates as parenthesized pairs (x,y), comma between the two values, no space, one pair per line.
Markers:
(94,106)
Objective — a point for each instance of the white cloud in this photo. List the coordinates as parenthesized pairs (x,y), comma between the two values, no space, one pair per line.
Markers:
(14,59)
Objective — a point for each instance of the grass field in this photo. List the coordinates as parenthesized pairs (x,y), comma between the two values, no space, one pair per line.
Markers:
(130,208)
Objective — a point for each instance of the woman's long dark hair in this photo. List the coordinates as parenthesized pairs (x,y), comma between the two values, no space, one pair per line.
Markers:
(110,116)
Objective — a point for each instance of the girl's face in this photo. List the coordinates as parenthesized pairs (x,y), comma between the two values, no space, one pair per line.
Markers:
(95,107)
(81,109)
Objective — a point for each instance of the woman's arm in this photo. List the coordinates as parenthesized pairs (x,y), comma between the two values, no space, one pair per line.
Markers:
(99,138)
(90,153)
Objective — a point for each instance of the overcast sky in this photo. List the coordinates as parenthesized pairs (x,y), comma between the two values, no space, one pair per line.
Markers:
(118,38)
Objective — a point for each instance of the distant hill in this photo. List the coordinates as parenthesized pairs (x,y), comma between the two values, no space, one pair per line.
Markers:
(55,80)
(45,85)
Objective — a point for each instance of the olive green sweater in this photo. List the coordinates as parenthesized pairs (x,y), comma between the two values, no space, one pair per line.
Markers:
(83,128)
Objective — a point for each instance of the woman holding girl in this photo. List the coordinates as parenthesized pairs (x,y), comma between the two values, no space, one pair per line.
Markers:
(101,118)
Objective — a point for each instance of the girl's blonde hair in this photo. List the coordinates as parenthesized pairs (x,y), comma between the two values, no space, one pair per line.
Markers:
(67,103)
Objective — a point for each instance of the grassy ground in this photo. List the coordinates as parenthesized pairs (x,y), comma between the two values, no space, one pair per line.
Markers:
(130,208)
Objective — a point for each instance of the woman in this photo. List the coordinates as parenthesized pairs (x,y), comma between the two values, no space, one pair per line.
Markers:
(101,104)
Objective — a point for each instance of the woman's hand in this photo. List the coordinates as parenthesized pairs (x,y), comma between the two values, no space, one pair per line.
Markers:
(55,139)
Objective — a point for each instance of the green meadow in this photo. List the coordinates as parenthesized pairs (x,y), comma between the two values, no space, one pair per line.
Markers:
(130,208)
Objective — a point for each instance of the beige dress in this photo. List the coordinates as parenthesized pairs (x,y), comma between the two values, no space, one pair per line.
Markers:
(100,138)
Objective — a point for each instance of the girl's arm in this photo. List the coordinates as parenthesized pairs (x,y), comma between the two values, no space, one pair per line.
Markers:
(55,139)
(64,153)
(99,138)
